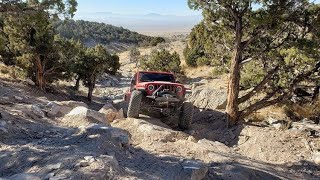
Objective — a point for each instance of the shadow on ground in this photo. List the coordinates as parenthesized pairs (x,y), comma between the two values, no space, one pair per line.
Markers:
(212,125)
(40,156)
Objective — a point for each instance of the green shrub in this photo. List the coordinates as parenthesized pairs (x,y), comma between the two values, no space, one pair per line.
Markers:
(162,60)
(252,73)
(4,71)
(157,40)
(114,64)
(203,61)
(218,71)
(191,56)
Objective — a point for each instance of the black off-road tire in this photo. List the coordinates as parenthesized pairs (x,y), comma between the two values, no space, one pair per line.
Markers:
(134,104)
(125,110)
(186,115)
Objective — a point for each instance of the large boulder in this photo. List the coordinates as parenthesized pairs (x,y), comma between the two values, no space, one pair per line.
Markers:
(111,113)
(36,109)
(205,97)
(82,116)
(61,108)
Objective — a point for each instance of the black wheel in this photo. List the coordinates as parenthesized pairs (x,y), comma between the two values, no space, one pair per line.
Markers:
(125,109)
(186,115)
(134,104)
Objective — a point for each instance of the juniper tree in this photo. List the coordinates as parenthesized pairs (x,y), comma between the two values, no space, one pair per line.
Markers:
(281,35)
(30,35)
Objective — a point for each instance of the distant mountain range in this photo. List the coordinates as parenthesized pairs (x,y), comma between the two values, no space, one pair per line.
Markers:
(144,23)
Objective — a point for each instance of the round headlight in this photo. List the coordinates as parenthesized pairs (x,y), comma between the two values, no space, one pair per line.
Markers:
(179,89)
(151,87)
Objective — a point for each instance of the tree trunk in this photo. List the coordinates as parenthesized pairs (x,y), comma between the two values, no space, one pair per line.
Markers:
(90,91)
(77,85)
(234,78)
(315,94)
(40,80)
(91,85)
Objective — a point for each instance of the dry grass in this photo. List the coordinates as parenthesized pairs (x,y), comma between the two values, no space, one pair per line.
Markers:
(11,72)
(276,112)
(308,110)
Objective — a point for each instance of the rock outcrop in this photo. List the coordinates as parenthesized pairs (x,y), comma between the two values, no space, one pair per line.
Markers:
(205,97)
(82,116)
(59,109)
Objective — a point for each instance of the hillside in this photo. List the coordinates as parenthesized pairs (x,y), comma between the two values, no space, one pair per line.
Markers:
(92,33)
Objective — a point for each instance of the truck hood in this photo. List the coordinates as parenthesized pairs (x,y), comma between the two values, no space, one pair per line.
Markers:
(160,83)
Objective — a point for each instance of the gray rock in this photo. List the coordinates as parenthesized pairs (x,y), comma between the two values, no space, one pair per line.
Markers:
(3,129)
(105,167)
(109,111)
(116,134)
(24,176)
(6,98)
(37,111)
(120,104)
(18,98)
(89,159)
(107,107)
(54,166)
(3,124)
(208,98)
(306,120)
(278,124)
(97,128)
(194,170)
(30,82)
(199,83)
(59,109)
(203,81)
(54,109)
(59,177)
(85,112)
(109,81)
(48,176)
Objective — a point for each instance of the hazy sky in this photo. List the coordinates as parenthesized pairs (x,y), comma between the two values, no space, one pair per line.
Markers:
(172,7)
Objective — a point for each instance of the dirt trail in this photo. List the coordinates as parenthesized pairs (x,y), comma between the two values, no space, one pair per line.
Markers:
(143,148)
(224,161)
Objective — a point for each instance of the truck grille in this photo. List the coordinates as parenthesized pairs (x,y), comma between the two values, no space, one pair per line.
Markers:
(170,88)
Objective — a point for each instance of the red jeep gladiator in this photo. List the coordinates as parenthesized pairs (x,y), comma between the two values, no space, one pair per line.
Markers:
(158,93)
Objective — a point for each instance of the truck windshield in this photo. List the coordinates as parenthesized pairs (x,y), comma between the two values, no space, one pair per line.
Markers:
(150,77)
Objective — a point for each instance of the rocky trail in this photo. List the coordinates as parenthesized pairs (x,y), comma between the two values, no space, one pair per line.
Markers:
(45,136)
(49,136)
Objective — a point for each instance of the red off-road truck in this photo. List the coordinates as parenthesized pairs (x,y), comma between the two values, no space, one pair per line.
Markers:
(158,93)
